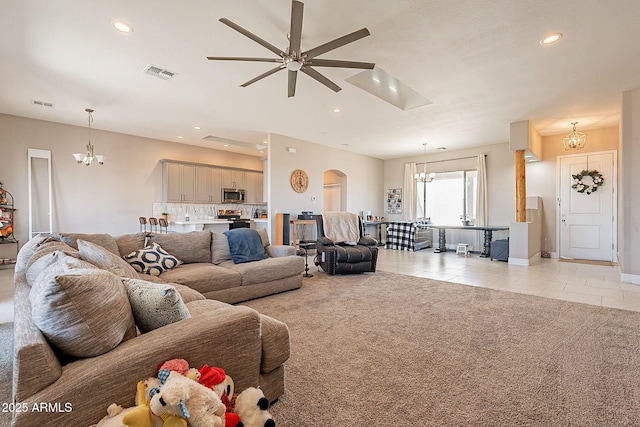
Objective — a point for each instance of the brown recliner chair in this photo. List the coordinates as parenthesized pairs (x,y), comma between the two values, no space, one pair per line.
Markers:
(342,258)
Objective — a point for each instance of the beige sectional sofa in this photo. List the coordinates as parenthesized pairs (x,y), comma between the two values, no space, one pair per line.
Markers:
(78,368)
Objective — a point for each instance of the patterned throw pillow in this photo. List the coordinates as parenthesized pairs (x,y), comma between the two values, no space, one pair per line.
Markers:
(153,304)
(152,260)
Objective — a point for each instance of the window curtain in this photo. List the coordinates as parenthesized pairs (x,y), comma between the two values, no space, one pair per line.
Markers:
(481,198)
(409,197)
(481,192)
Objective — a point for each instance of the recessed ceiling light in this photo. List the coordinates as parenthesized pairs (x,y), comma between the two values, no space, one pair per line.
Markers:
(122,26)
(180,137)
(441,148)
(265,142)
(197,127)
(225,145)
(337,110)
(550,38)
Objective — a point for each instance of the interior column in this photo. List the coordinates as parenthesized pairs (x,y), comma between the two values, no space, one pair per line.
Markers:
(521,187)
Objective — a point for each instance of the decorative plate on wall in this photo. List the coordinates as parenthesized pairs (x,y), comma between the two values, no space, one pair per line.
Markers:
(299,181)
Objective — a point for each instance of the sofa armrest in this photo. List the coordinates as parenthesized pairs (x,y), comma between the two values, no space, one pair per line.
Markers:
(325,241)
(280,250)
(276,345)
(220,335)
(368,241)
(35,365)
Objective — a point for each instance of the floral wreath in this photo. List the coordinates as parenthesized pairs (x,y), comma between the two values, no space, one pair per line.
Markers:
(582,187)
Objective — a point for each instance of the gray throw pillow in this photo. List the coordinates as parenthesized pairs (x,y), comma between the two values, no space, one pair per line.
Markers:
(154,305)
(82,312)
(102,258)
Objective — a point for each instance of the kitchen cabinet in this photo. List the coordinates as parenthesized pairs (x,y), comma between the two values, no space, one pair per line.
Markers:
(201,183)
(234,178)
(254,191)
(208,184)
(179,182)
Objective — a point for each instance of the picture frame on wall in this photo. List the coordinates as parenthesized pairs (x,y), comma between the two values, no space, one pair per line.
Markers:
(394,200)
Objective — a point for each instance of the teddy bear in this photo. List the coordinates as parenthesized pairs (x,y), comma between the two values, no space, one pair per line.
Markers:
(217,380)
(182,396)
(252,407)
(136,416)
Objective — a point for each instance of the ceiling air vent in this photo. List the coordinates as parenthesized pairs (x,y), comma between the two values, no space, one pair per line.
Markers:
(42,103)
(158,72)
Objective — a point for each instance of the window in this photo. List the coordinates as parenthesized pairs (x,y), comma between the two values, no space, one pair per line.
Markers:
(449,198)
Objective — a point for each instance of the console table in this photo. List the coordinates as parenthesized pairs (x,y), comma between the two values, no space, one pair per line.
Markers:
(488,235)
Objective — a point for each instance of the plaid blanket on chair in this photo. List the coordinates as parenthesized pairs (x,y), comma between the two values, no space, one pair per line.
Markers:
(401,235)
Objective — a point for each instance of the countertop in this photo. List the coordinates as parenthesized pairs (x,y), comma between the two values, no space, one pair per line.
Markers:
(214,221)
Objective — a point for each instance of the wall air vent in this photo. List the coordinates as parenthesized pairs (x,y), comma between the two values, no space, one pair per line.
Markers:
(42,103)
(158,72)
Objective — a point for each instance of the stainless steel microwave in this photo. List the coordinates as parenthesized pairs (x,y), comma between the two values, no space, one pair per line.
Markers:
(233,195)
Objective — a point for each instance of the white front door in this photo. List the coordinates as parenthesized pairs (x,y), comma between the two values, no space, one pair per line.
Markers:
(586,221)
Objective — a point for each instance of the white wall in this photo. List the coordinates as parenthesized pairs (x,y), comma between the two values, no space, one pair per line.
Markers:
(105,198)
(364,177)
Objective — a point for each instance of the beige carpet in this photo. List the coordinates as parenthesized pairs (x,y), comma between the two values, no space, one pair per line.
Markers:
(387,350)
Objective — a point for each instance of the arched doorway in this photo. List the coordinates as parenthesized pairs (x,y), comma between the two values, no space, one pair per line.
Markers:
(335,190)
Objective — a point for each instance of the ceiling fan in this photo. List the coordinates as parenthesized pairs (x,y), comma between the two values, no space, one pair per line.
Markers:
(292,59)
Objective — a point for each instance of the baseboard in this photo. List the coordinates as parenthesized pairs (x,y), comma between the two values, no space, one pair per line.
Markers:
(525,261)
(630,278)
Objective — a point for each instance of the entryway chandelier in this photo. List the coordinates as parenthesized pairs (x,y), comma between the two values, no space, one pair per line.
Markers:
(88,158)
(575,140)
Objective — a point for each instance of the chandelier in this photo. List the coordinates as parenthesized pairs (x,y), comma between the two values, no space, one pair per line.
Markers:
(89,157)
(424,176)
(575,140)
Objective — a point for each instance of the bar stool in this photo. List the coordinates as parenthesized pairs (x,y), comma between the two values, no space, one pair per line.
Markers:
(143,223)
(462,249)
(163,225)
(153,224)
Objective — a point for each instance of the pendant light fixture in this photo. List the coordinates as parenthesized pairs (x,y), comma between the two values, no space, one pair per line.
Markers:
(423,176)
(575,140)
(88,158)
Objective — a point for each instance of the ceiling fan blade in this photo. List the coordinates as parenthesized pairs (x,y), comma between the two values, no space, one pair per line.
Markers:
(235,58)
(252,36)
(293,76)
(263,75)
(340,64)
(319,77)
(334,44)
(295,30)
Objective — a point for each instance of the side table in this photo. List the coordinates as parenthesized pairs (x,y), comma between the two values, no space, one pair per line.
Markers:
(305,246)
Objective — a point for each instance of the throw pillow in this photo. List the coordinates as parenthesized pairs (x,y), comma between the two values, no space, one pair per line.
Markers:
(263,236)
(58,256)
(219,248)
(152,260)
(104,240)
(245,245)
(191,247)
(82,312)
(154,305)
(102,258)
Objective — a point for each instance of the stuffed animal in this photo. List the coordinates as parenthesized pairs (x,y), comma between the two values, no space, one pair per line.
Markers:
(217,380)
(181,396)
(137,416)
(252,407)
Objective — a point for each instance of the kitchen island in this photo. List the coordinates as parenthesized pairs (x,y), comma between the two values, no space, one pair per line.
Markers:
(216,224)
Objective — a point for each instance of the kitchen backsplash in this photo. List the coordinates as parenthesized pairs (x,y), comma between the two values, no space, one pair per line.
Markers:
(196,211)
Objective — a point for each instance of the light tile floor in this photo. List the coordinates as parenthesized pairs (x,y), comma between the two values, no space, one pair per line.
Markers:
(584,283)
(590,284)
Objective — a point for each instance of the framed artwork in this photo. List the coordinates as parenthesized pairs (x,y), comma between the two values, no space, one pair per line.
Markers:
(394,200)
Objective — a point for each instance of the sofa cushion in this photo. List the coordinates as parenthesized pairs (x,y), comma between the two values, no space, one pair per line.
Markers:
(104,240)
(219,248)
(45,249)
(54,257)
(154,305)
(203,277)
(102,258)
(82,312)
(128,243)
(194,246)
(263,236)
(268,269)
(27,250)
(245,245)
(152,260)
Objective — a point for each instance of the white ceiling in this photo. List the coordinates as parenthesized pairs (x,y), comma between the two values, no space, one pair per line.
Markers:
(478,61)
